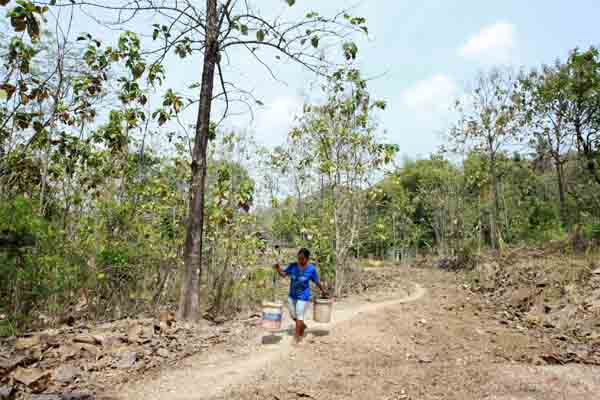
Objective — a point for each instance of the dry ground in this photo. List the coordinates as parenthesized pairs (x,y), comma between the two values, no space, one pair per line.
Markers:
(437,343)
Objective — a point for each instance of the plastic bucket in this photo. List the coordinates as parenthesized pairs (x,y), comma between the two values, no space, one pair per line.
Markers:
(272,315)
(322,310)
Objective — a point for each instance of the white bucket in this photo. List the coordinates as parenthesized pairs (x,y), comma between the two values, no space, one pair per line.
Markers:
(322,310)
(272,315)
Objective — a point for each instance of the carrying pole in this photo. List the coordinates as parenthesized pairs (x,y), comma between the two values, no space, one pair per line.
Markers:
(276,274)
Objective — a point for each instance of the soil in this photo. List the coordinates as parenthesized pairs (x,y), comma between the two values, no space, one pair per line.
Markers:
(83,359)
(422,336)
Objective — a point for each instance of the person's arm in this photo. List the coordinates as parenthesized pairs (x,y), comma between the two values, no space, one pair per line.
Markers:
(281,272)
(324,292)
(316,280)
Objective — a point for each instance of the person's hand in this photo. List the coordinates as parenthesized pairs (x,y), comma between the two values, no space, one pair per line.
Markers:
(277,266)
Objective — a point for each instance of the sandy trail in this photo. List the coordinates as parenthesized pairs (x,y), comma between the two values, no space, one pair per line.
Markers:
(436,342)
(210,374)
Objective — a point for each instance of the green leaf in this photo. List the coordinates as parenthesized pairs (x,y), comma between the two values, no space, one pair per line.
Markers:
(260,35)
(350,50)
(244,29)
(357,21)
(212,131)
(3,94)
(291,2)
(315,41)
(381,104)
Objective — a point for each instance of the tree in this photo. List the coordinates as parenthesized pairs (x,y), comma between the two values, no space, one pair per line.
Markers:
(582,72)
(59,166)
(489,122)
(391,219)
(232,246)
(212,31)
(547,108)
(340,144)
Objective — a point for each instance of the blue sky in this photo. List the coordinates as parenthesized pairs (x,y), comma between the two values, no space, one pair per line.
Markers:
(428,51)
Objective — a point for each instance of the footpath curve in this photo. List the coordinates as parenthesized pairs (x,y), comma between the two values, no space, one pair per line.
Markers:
(207,375)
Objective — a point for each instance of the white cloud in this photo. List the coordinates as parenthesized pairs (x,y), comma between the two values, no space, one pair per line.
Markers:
(273,120)
(434,94)
(492,44)
(425,109)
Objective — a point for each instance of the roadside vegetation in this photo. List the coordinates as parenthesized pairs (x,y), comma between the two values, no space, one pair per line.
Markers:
(111,206)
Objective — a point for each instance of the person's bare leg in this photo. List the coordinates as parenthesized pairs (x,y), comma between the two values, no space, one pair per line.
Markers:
(298,331)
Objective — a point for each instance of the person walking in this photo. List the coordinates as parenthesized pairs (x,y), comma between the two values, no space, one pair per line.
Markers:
(301,273)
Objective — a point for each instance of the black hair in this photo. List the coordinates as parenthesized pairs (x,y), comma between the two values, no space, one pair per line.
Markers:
(305,252)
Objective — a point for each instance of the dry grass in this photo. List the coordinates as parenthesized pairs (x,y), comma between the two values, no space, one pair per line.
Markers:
(372,263)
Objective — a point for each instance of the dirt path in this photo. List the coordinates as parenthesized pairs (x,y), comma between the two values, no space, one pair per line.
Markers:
(435,342)
(210,374)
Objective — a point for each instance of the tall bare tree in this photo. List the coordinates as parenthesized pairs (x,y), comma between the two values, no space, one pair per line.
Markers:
(489,123)
(212,30)
(345,151)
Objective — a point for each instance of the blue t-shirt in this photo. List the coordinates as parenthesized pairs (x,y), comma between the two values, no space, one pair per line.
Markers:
(300,280)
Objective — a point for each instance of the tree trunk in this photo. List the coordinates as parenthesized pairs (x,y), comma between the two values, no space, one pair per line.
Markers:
(561,190)
(586,147)
(163,283)
(495,204)
(189,302)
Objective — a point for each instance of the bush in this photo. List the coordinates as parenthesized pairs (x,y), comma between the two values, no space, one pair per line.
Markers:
(591,233)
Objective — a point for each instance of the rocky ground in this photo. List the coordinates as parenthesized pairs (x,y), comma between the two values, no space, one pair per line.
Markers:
(547,293)
(81,361)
